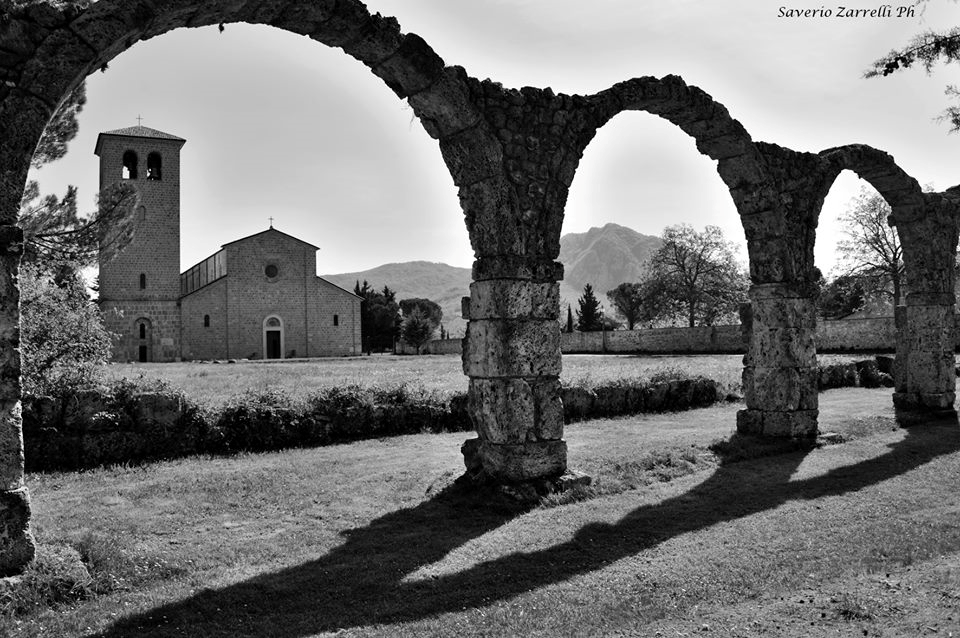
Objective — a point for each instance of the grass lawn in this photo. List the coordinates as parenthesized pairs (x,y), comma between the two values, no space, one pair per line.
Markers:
(214,384)
(853,539)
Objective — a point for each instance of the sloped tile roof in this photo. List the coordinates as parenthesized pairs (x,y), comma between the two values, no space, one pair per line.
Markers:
(138,131)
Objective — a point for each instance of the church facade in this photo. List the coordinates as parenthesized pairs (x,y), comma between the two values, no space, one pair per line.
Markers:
(258,297)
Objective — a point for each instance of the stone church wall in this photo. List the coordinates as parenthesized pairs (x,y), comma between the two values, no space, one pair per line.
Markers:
(252,296)
(200,341)
(327,301)
(120,318)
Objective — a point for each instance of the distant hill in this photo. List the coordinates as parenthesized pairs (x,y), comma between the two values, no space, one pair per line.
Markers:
(438,282)
(603,257)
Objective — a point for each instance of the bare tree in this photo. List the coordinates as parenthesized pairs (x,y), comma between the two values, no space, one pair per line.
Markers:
(695,274)
(872,252)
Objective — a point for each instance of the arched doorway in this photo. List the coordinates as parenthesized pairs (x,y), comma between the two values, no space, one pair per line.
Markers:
(273,337)
(143,338)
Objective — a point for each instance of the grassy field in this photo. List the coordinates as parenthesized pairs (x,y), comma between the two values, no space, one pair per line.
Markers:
(213,384)
(855,539)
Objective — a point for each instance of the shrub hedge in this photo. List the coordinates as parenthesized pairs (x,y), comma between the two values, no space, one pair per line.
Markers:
(130,422)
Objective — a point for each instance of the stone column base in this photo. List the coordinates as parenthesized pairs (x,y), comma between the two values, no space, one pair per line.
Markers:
(527,471)
(17,547)
(925,402)
(793,424)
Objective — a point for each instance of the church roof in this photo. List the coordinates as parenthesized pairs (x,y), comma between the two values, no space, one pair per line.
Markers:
(270,230)
(138,131)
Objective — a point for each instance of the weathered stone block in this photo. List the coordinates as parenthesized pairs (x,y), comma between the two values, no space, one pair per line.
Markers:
(516,410)
(517,267)
(445,108)
(775,347)
(780,388)
(793,424)
(541,459)
(472,156)
(502,409)
(11,446)
(769,223)
(380,39)
(929,372)
(770,312)
(512,348)
(514,299)
(924,402)
(471,454)
(548,409)
(17,547)
(413,68)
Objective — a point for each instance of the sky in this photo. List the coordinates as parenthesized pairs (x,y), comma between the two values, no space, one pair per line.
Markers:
(280,126)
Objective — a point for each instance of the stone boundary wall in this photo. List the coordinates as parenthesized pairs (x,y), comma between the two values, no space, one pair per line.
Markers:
(873,334)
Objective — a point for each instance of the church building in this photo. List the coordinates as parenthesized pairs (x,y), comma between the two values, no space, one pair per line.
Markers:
(258,297)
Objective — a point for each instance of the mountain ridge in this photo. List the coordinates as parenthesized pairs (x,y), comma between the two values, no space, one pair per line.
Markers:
(603,256)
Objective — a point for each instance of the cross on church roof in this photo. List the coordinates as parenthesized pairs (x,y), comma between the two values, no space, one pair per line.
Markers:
(271,222)
(138,120)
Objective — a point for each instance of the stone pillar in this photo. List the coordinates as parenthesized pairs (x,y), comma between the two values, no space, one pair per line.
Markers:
(780,367)
(17,546)
(924,377)
(512,355)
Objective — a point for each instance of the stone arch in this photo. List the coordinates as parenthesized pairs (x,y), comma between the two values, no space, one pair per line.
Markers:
(927,225)
(50,47)
(779,222)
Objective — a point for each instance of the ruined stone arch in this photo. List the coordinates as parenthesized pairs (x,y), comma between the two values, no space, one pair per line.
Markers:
(49,48)
(927,226)
(512,153)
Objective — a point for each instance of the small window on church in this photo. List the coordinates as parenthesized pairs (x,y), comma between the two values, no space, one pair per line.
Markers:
(271,271)
(206,321)
(336,320)
(154,163)
(143,281)
(143,331)
(129,165)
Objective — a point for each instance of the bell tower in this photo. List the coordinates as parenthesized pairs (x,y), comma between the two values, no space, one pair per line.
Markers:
(140,283)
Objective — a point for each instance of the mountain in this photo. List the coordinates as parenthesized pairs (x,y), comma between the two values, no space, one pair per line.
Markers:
(603,257)
(437,282)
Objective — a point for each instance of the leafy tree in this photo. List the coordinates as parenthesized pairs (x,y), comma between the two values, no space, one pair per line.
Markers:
(841,297)
(629,301)
(379,317)
(417,328)
(588,316)
(55,233)
(421,317)
(430,309)
(61,128)
(569,319)
(695,275)
(62,338)
(927,49)
(871,251)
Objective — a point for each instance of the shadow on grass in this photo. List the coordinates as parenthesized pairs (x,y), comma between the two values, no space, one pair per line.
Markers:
(361,582)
